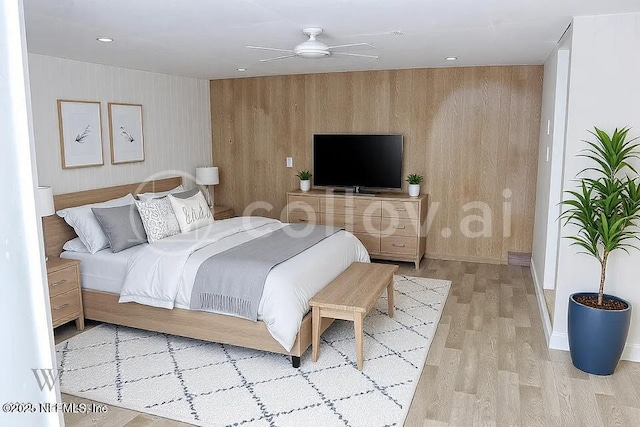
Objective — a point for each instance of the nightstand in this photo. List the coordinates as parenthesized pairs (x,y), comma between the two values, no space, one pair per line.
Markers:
(65,295)
(222,212)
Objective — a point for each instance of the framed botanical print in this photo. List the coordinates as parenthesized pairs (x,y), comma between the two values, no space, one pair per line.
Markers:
(126,134)
(80,133)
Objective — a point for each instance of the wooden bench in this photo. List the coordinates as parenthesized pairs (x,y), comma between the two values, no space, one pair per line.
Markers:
(350,296)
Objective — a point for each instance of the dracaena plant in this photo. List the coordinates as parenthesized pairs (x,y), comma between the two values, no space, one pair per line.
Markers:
(606,206)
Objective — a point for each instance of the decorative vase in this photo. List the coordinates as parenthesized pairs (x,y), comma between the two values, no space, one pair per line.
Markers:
(305,184)
(414,190)
(597,337)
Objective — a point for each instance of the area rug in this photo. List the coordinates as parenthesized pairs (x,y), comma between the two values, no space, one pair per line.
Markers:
(222,385)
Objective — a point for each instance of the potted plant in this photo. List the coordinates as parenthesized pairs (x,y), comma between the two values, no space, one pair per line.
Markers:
(305,180)
(414,181)
(605,209)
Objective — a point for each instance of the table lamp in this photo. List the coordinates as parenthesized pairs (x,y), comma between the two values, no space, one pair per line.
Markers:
(207,176)
(44,207)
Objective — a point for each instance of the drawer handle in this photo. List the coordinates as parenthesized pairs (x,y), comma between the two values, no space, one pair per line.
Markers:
(60,307)
(401,227)
(398,245)
(398,209)
(303,220)
(59,282)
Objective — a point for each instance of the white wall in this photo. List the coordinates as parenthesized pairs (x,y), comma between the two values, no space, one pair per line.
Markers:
(539,252)
(27,335)
(605,92)
(176,116)
(550,164)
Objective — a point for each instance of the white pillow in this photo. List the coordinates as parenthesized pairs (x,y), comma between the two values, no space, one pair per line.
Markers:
(85,224)
(158,219)
(145,197)
(75,245)
(192,212)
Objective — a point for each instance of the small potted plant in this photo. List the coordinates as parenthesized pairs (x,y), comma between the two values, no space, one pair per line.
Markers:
(414,181)
(305,180)
(605,210)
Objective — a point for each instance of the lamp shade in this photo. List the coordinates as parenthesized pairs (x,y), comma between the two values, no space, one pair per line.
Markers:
(44,201)
(207,175)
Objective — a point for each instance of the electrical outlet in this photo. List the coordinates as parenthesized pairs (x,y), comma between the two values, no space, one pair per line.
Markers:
(289,162)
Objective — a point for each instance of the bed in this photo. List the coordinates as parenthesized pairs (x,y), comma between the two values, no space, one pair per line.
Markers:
(103,275)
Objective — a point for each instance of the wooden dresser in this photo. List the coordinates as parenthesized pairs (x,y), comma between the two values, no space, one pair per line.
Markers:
(391,226)
(65,296)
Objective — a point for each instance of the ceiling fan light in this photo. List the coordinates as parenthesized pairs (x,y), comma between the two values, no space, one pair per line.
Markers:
(312,54)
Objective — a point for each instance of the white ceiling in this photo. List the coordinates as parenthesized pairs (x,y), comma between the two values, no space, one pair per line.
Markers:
(207,38)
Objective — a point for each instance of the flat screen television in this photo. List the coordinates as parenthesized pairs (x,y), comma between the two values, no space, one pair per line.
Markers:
(353,161)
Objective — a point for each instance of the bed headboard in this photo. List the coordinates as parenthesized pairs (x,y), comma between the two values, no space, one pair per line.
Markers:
(57,231)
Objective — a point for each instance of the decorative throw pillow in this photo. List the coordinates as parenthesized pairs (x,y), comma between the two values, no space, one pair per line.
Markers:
(145,197)
(192,213)
(85,224)
(75,245)
(122,225)
(158,219)
(186,194)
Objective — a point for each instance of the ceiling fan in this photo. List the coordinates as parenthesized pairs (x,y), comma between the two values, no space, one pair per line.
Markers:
(313,48)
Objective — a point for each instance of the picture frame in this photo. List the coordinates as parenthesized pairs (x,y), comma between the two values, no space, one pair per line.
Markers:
(80,127)
(126,133)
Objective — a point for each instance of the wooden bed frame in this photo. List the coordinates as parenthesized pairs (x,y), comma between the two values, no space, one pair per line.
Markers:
(104,306)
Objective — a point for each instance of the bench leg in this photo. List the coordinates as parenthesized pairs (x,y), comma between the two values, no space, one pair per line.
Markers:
(315,327)
(357,325)
(295,361)
(390,296)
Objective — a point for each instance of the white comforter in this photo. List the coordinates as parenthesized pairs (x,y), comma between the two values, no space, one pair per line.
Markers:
(162,274)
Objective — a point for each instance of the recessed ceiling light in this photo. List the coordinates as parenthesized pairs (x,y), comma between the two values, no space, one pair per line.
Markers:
(451,58)
(105,39)
(241,69)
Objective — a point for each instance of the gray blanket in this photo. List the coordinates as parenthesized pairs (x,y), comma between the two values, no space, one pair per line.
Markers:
(232,281)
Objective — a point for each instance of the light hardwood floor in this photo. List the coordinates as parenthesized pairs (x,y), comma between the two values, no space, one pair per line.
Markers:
(488,363)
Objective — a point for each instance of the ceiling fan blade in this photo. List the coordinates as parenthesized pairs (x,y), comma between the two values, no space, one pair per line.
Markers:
(277,57)
(352,45)
(355,54)
(270,48)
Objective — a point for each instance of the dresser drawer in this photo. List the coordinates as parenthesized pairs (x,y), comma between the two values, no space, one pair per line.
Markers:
(65,305)
(62,281)
(399,227)
(303,203)
(351,206)
(372,243)
(353,223)
(393,209)
(400,245)
(300,217)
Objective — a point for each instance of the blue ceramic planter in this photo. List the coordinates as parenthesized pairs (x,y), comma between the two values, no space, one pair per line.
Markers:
(597,337)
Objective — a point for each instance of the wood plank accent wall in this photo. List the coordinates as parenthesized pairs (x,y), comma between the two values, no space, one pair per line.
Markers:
(472,132)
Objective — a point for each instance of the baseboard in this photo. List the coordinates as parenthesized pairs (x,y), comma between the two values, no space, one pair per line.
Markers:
(542,305)
(559,341)
(521,259)
(631,352)
(465,258)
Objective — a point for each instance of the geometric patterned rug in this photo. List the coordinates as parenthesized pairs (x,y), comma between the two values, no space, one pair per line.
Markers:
(213,384)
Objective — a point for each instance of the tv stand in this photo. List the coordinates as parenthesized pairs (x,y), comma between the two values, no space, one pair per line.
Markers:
(356,191)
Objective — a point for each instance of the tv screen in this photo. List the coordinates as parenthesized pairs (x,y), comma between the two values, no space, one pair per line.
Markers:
(350,160)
